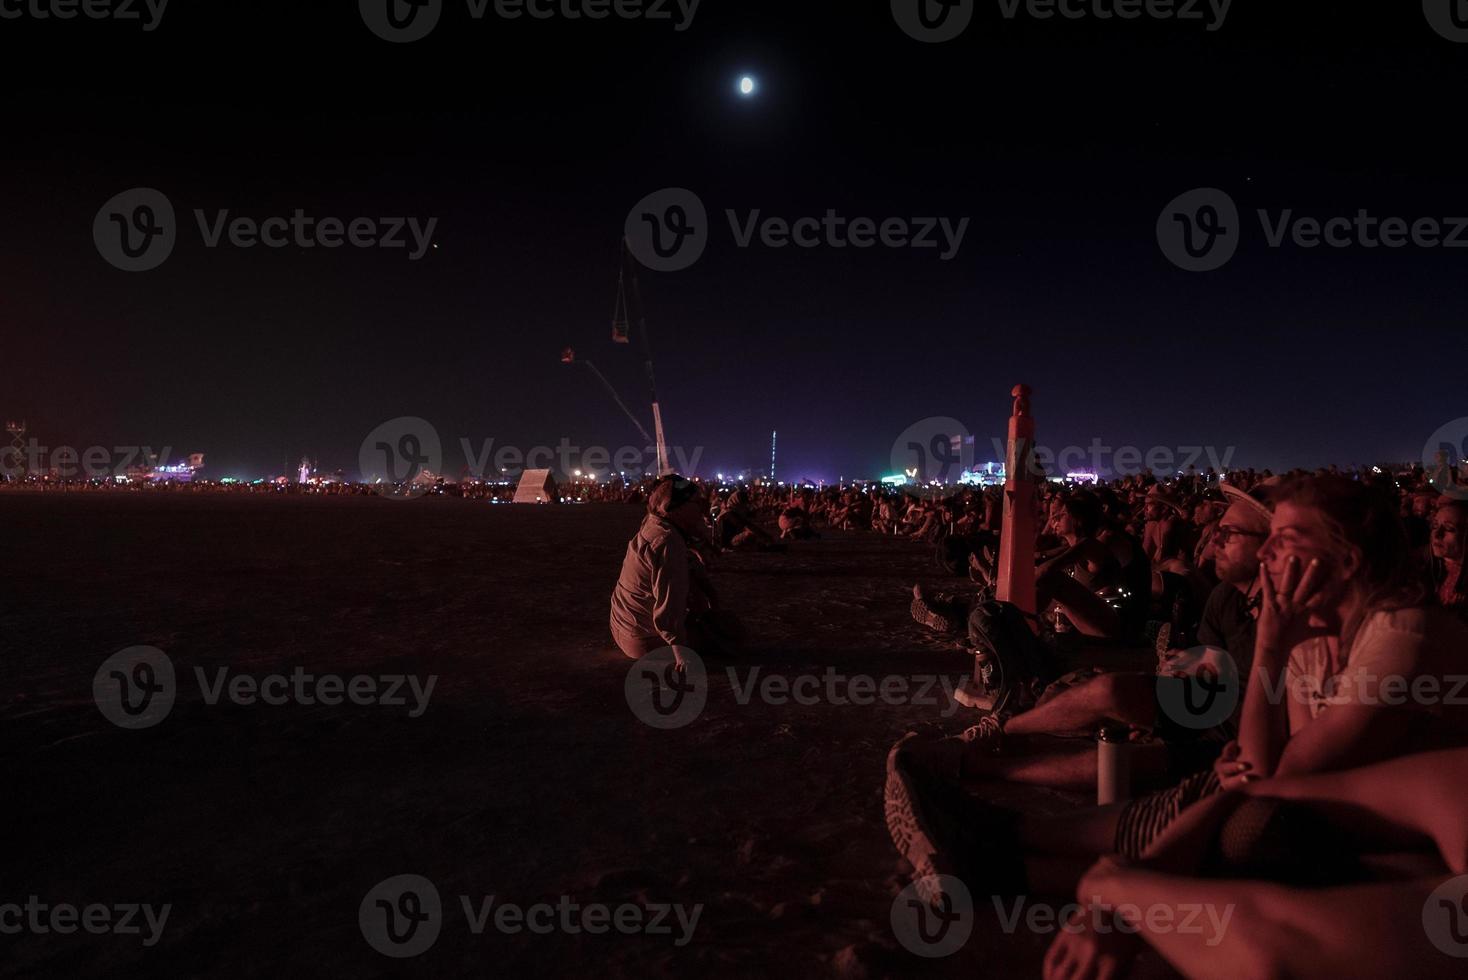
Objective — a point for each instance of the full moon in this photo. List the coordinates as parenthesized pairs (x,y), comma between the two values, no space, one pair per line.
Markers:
(746,85)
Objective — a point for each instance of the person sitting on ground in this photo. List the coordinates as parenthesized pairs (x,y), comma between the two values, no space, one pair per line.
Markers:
(1341,629)
(736,527)
(659,595)
(912,511)
(888,515)
(838,510)
(1073,581)
(926,521)
(982,562)
(795,519)
(859,514)
(1021,748)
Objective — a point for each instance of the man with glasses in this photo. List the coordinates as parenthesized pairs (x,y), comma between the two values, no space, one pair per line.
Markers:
(1015,748)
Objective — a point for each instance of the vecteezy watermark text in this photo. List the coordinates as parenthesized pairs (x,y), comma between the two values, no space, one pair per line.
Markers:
(137,230)
(569,457)
(400,455)
(1185,918)
(136,688)
(404,21)
(669,229)
(42,918)
(147,12)
(840,690)
(402,917)
(669,688)
(834,231)
(1201,230)
(70,462)
(1110,462)
(940,451)
(935,21)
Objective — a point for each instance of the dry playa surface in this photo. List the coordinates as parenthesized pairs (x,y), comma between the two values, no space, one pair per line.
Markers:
(507,768)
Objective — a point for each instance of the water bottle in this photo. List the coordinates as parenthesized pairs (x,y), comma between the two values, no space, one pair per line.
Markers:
(1061,623)
(1113,766)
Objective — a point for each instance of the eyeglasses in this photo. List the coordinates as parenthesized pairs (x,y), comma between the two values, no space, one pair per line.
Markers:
(1226,532)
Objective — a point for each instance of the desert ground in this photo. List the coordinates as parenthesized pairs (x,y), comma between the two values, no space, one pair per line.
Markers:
(526,777)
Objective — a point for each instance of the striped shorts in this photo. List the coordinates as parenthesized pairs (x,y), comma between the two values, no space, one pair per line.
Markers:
(1144,819)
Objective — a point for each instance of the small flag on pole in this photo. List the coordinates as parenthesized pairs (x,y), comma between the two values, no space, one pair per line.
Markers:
(568,355)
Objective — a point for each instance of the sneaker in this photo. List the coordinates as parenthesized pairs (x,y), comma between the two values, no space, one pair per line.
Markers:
(920,828)
(987,737)
(1164,639)
(941,830)
(923,611)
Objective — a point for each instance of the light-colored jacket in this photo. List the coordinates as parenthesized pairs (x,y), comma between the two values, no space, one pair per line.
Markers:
(650,602)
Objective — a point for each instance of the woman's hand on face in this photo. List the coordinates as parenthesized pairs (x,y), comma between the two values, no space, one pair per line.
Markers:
(1284,612)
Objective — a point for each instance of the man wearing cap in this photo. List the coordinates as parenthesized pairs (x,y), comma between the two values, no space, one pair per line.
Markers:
(1228,619)
(659,588)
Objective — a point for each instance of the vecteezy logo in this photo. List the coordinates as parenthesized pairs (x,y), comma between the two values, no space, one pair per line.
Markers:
(1445,454)
(668,230)
(935,450)
(1445,916)
(1448,17)
(933,916)
(135,230)
(400,21)
(663,695)
(401,916)
(1200,688)
(933,21)
(1199,231)
(401,457)
(135,688)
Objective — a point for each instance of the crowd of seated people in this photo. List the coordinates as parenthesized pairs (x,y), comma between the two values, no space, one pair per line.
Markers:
(1337,601)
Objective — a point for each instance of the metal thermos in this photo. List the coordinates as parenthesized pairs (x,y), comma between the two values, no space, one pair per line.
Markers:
(1113,766)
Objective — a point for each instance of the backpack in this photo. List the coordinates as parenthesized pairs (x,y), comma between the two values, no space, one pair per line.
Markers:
(1015,665)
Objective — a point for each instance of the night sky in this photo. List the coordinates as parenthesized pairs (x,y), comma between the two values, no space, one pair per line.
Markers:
(529,141)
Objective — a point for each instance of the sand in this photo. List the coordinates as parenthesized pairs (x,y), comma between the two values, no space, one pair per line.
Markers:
(526,777)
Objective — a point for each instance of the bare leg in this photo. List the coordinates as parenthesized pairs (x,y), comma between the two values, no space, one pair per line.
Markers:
(1063,764)
(980,569)
(1068,766)
(1125,698)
